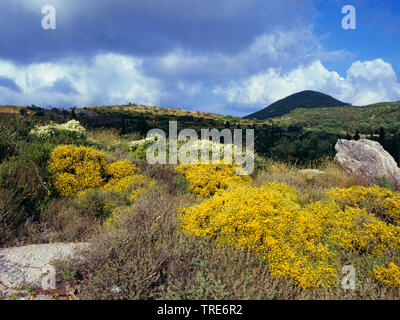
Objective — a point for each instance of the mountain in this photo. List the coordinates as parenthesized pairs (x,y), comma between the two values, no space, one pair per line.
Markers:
(304,99)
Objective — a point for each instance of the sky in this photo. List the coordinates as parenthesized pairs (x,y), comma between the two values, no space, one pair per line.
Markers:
(222,56)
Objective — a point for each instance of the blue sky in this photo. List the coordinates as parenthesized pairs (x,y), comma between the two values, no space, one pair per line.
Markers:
(226,56)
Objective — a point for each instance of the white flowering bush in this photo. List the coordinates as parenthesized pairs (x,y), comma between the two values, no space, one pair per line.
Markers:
(208,146)
(72,126)
(51,129)
(141,144)
(139,147)
(43,132)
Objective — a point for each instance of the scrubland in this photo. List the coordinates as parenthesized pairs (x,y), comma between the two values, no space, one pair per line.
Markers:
(193,231)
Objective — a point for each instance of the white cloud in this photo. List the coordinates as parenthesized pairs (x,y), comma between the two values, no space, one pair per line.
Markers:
(283,49)
(273,66)
(365,83)
(371,81)
(107,79)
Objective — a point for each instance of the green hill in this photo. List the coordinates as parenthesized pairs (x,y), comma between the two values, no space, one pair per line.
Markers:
(305,99)
(367,119)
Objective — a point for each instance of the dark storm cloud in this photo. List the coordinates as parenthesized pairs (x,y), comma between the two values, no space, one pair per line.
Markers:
(140,27)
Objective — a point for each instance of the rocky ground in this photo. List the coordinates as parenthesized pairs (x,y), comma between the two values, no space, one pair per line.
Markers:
(28,267)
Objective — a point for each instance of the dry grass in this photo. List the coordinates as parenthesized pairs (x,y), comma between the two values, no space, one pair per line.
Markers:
(62,221)
(105,135)
(312,186)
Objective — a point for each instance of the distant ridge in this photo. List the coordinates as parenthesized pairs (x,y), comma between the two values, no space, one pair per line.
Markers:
(303,99)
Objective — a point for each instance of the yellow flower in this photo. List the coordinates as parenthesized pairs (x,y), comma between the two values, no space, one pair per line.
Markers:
(76,169)
(389,276)
(207,179)
(302,242)
(121,169)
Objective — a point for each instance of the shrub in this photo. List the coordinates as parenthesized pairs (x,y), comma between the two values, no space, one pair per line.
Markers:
(208,147)
(174,182)
(128,184)
(389,275)
(77,168)
(147,258)
(303,242)
(121,169)
(127,188)
(12,216)
(22,194)
(84,172)
(142,144)
(13,133)
(64,220)
(207,179)
(46,132)
(6,148)
(381,201)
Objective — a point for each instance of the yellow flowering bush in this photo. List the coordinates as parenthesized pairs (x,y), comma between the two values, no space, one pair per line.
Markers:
(126,181)
(112,219)
(129,184)
(125,178)
(121,169)
(77,168)
(302,242)
(377,197)
(207,179)
(389,276)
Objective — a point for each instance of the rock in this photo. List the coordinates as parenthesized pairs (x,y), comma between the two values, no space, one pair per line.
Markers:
(29,264)
(367,160)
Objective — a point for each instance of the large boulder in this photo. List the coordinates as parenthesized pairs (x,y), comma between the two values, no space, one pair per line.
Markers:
(367,160)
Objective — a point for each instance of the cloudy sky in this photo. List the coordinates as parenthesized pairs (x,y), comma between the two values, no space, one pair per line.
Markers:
(222,56)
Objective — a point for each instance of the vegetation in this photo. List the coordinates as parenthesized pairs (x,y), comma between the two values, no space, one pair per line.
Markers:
(367,119)
(194,231)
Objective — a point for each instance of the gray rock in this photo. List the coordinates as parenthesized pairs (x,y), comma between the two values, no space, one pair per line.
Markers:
(28,264)
(367,160)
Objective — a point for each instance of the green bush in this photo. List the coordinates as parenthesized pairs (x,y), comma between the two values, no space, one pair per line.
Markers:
(23,193)
(24,188)
(305,148)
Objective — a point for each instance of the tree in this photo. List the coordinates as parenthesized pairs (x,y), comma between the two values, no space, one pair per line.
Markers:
(73,115)
(142,126)
(123,127)
(357,135)
(381,137)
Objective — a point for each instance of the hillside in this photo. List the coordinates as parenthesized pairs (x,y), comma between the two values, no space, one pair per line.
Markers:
(305,99)
(368,119)
(127,118)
